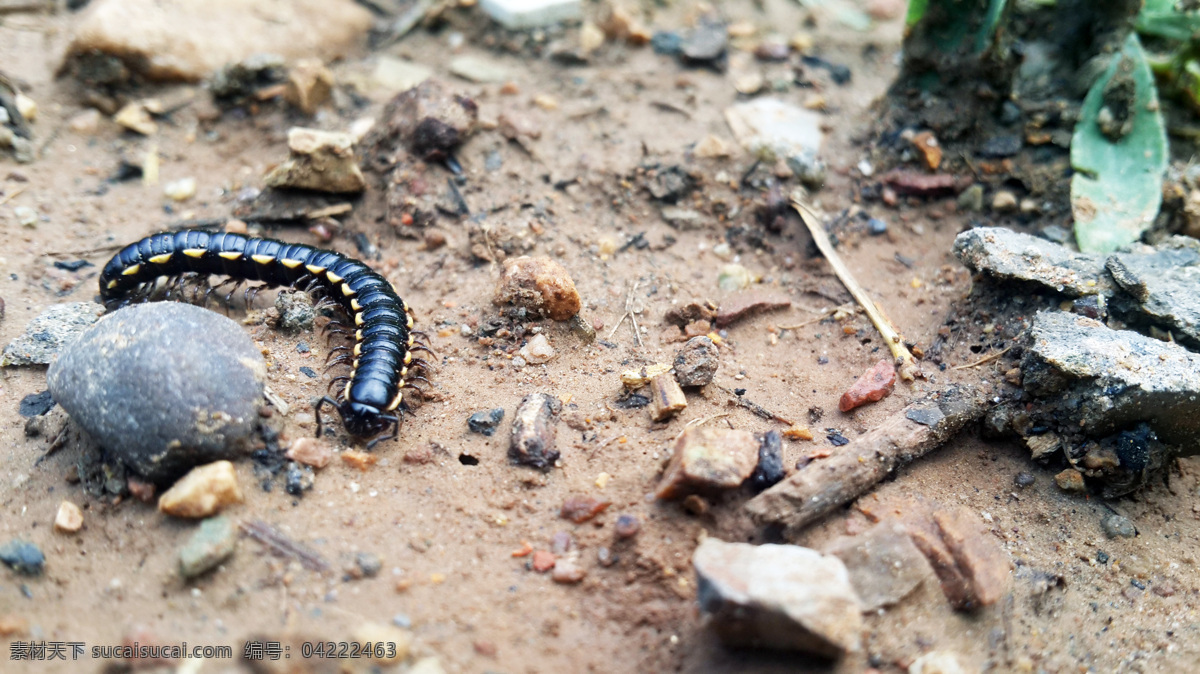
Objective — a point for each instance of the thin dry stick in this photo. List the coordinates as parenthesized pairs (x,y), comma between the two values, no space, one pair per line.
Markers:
(701,420)
(629,313)
(981,361)
(908,365)
(16,193)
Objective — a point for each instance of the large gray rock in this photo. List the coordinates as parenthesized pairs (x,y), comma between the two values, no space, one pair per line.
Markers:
(49,332)
(1101,380)
(778,596)
(163,386)
(885,566)
(1164,283)
(1011,255)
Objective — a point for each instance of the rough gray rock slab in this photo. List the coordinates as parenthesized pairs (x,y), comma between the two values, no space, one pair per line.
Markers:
(778,596)
(884,564)
(163,386)
(1165,284)
(49,332)
(1109,380)
(1011,255)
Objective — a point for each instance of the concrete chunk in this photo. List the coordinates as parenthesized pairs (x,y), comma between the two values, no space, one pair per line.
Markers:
(777,596)
(1014,256)
(1109,380)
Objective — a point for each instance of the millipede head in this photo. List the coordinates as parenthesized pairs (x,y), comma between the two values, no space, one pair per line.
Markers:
(364,421)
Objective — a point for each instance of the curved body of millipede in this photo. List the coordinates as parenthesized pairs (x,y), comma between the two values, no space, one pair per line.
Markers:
(384,341)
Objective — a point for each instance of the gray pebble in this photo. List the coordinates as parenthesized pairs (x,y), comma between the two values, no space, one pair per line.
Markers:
(213,543)
(697,362)
(46,335)
(1115,525)
(485,422)
(295,310)
(163,386)
(23,557)
(1023,479)
(368,563)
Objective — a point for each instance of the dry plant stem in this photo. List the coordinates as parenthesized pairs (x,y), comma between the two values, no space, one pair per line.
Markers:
(906,364)
(981,361)
(824,485)
(15,193)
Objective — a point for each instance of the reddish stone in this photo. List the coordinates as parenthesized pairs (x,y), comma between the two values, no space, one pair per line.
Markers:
(925,184)
(873,386)
(744,304)
(310,452)
(971,565)
(580,509)
(543,561)
(141,490)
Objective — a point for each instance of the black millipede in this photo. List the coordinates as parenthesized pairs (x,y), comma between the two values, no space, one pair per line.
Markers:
(384,339)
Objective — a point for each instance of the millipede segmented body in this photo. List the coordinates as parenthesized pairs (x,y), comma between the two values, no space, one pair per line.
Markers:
(384,341)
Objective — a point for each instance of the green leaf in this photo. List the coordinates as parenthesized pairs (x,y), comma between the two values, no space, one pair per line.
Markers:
(916,10)
(1169,24)
(1117,187)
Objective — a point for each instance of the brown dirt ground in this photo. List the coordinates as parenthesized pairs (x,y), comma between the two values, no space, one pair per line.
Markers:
(446,529)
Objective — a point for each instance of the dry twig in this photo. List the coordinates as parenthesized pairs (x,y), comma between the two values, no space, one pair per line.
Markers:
(907,368)
(820,487)
(981,361)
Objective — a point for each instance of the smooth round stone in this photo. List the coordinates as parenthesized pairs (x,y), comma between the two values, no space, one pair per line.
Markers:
(163,387)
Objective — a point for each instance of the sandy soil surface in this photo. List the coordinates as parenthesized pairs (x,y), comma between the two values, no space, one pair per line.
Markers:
(445,531)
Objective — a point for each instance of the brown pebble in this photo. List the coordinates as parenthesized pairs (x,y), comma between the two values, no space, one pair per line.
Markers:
(310,452)
(204,491)
(1070,480)
(539,284)
(709,458)
(580,509)
(748,303)
(235,226)
(434,239)
(874,385)
(627,526)
(138,488)
(485,648)
(13,625)
(69,518)
(911,183)
(360,460)
(695,505)
(666,398)
(543,561)
(691,312)
(568,571)
(419,455)
(972,567)
(561,543)
(533,431)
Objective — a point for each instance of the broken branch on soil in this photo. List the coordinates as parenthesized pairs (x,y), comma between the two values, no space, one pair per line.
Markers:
(754,407)
(282,546)
(823,486)
(907,368)
(981,361)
